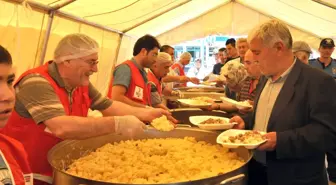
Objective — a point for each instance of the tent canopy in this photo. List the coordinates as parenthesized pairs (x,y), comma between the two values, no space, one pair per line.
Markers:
(31,29)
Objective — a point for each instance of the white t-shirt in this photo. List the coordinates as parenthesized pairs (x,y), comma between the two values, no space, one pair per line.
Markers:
(171,73)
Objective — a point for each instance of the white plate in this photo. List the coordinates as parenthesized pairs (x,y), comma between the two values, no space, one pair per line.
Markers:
(239,105)
(234,132)
(193,103)
(208,83)
(196,120)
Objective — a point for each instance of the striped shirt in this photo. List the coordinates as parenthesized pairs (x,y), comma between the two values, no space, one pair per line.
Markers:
(36,98)
(246,93)
(156,99)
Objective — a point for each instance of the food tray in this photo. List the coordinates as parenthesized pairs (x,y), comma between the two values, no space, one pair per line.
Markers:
(193,103)
(188,95)
(234,132)
(239,105)
(196,120)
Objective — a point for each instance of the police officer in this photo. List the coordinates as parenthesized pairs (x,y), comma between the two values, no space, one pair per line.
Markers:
(325,62)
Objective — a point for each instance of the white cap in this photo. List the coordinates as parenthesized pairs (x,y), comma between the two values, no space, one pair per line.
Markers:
(75,46)
(234,72)
(185,55)
(163,58)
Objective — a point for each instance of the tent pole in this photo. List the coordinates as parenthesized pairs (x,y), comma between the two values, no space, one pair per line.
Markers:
(81,20)
(35,5)
(325,4)
(59,6)
(46,37)
(114,62)
(117,53)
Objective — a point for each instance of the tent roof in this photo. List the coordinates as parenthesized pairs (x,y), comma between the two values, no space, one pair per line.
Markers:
(138,17)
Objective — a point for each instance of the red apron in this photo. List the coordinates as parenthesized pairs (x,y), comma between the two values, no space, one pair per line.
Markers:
(177,65)
(36,141)
(152,78)
(138,91)
(16,161)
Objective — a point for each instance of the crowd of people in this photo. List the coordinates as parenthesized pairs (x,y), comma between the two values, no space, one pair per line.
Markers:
(292,101)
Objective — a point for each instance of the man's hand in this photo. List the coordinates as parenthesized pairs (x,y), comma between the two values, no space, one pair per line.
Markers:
(247,109)
(172,119)
(270,144)
(128,125)
(194,80)
(149,114)
(240,122)
(235,88)
(214,106)
(332,183)
(220,83)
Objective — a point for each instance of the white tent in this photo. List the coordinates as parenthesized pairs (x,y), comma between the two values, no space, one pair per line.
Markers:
(30,29)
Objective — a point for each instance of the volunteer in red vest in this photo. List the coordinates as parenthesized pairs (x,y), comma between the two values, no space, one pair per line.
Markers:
(171,77)
(130,83)
(157,71)
(14,168)
(178,68)
(53,101)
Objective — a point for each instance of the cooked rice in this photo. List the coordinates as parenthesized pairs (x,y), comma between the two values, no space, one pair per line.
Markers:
(153,161)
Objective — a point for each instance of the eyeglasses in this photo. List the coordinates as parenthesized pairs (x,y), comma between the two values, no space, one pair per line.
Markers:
(92,62)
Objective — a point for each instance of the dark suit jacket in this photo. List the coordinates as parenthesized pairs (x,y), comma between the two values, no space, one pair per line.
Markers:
(304,118)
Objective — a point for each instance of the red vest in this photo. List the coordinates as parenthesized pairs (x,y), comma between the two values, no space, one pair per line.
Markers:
(138,91)
(36,141)
(152,78)
(181,70)
(16,160)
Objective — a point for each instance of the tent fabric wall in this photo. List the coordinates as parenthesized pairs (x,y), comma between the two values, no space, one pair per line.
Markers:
(126,48)
(21,32)
(236,19)
(306,15)
(176,17)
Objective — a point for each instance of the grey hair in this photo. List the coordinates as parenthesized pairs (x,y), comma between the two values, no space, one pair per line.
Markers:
(271,32)
(185,55)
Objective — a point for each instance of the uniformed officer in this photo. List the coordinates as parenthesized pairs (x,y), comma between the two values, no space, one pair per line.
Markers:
(325,62)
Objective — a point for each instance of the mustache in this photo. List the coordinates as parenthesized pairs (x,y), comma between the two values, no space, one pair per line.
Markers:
(4,111)
(89,73)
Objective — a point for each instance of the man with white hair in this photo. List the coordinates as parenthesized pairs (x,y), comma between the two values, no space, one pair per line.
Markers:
(178,68)
(171,77)
(295,109)
(157,71)
(242,47)
(53,101)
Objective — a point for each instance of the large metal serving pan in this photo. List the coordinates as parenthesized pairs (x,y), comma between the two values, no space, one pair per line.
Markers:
(62,155)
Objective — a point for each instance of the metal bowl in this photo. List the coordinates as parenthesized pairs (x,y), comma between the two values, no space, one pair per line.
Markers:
(64,153)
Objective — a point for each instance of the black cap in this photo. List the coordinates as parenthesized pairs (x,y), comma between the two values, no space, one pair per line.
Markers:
(327,42)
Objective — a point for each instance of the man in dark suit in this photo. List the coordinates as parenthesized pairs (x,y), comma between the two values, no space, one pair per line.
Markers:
(295,105)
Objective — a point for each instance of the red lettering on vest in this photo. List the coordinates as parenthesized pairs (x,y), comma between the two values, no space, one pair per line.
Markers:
(138,91)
